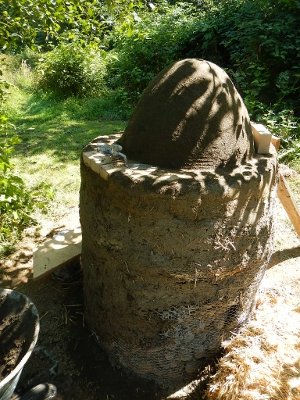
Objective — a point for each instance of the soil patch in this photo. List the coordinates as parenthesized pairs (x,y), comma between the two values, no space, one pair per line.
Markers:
(18,329)
(10,355)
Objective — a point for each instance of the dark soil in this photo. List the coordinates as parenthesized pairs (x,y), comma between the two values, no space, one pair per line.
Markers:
(68,354)
(9,357)
(17,330)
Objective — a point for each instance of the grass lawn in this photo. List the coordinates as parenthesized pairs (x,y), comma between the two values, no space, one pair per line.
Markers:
(53,134)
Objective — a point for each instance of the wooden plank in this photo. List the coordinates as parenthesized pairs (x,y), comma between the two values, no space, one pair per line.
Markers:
(275,142)
(63,247)
(263,139)
(286,197)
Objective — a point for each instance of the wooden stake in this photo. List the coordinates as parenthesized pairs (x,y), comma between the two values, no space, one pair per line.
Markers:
(286,197)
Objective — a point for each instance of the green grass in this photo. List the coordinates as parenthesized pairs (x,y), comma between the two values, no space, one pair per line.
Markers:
(53,134)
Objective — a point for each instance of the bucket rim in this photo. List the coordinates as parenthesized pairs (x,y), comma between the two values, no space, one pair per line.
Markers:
(25,358)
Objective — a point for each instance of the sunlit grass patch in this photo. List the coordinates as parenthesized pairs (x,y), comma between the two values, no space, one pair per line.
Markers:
(53,133)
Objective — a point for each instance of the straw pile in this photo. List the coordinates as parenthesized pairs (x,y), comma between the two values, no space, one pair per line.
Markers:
(262,361)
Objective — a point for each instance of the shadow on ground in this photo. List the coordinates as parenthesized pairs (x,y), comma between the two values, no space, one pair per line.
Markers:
(283,255)
(60,128)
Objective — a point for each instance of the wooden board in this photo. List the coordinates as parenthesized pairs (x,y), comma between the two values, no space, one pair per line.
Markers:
(286,197)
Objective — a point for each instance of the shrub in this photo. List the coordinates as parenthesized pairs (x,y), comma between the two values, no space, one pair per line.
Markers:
(73,70)
(256,41)
(16,202)
(29,56)
(156,42)
(111,105)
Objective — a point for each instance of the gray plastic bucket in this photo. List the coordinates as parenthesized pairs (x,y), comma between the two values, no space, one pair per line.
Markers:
(19,324)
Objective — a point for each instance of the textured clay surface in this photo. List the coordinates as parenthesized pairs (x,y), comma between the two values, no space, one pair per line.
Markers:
(190,115)
(172,260)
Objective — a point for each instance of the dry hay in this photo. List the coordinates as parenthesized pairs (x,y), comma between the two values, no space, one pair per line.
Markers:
(262,361)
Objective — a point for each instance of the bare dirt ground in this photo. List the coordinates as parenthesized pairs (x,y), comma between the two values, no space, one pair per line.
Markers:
(69,355)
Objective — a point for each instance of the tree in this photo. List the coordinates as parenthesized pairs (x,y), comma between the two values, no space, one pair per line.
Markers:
(40,22)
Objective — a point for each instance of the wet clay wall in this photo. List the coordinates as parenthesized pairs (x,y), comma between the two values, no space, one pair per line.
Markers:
(171,259)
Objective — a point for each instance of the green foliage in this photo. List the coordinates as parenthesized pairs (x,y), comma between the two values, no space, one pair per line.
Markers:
(16,200)
(18,73)
(29,56)
(154,43)
(286,126)
(273,53)
(4,87)
(256,41)
(38,22)
(73,70)
(111,105)
(44,23)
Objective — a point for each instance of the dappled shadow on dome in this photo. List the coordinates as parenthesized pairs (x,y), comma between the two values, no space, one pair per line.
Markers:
(190,116)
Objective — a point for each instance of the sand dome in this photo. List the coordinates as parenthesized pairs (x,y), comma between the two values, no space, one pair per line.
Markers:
(190,116)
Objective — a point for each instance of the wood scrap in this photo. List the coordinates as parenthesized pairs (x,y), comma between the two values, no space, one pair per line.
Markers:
(263,140)
(286,198)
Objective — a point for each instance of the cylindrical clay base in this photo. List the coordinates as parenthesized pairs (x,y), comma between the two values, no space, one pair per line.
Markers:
(171,259)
